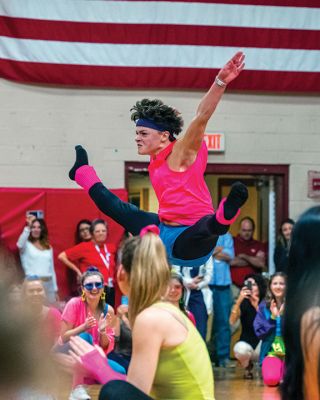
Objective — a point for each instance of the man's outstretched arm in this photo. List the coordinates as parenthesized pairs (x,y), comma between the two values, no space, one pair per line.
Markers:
(188,146)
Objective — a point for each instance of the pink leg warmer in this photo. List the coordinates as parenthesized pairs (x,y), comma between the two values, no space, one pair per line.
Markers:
(220,214)
(98,367)
(86,177)
(272,370)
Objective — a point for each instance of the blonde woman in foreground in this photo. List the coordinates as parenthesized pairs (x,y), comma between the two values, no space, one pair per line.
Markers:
(169,359)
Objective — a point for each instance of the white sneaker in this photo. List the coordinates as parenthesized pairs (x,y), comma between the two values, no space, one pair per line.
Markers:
(79,393)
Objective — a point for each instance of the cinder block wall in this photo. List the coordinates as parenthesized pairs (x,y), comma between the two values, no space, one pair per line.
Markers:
(40,126)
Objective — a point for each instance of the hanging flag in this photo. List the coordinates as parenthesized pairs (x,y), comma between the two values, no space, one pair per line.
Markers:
(161,44)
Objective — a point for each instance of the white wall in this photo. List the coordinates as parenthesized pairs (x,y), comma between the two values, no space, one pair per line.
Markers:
(40,126)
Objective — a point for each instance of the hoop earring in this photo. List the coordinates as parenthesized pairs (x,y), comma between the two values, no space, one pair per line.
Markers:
(83,296)
(103,296)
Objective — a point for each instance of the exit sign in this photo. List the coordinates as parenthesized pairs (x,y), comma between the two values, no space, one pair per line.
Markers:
(215,142)
(314,184)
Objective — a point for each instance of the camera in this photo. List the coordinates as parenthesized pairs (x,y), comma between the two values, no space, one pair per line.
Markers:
(248,284)
(39,214)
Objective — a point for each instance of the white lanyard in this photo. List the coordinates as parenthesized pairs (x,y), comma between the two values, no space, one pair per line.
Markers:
(104,259)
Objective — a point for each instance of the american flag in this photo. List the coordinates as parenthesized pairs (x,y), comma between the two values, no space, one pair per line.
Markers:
(161,44)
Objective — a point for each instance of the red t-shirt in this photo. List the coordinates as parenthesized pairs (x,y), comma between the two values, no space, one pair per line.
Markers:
(250,248)
(86,254)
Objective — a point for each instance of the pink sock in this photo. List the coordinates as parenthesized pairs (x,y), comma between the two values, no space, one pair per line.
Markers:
(86,177)
(98,367)
(220,214)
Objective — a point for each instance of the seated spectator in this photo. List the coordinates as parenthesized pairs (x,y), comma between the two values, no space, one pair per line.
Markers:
(123,337)
(220,286)
(269,314)
(34,298)
(15,296)
(25,368)
(302,311)
(199,296)
(177,293)
(281,252)
(89,317)
(94,252)
(247,350)
(250,257)
(89,314)
(37,255)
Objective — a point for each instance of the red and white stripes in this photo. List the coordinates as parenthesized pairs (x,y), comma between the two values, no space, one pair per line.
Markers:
(164,44)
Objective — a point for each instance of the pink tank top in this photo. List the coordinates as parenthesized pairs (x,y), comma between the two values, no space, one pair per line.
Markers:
(183,197)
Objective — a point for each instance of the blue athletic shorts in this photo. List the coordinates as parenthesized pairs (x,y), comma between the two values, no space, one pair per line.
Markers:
(168,235)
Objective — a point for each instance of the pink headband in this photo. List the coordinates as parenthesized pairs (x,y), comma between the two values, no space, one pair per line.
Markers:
(150,229)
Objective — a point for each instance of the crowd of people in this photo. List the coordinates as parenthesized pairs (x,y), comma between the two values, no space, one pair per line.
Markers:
(156,331)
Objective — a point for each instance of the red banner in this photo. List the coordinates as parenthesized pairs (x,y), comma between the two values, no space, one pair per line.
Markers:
(62,208)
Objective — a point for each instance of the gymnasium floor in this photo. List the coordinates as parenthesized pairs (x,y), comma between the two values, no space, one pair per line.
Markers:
(229,385)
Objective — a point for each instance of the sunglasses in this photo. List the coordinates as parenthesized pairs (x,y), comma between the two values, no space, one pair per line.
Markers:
(91,285)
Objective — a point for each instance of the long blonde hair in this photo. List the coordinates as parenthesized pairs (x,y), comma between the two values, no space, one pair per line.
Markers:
(145,261)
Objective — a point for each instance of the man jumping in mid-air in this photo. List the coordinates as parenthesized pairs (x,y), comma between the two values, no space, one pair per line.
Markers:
(188,225)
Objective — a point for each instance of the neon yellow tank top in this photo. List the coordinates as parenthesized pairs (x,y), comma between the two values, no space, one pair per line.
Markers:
(185,371)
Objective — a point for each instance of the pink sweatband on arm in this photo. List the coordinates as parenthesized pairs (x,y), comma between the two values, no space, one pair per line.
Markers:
(86,177)
(220,214)
(99,368)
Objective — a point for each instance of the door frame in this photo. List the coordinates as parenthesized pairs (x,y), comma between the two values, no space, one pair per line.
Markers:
(277,170)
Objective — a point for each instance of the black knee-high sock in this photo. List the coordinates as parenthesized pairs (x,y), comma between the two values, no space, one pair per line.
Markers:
(81,159)
(236,198)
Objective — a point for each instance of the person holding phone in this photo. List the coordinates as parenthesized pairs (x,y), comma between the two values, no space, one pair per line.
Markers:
(36,255)
(247,350)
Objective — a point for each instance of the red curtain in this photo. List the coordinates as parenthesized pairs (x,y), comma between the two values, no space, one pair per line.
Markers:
(62,208)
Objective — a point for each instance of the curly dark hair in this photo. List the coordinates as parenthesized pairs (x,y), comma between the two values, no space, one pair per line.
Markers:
(156,111)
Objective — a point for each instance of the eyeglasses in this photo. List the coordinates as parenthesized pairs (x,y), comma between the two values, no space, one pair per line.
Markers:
(91,285)
(84,229)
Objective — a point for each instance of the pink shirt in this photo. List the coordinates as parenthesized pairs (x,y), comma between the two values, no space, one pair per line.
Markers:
(183,197)
(75,313)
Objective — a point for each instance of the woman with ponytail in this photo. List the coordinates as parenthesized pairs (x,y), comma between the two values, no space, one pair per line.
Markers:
(169,358)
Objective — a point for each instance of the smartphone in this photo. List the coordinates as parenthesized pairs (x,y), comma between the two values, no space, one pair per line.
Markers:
(248,284)
(39,214)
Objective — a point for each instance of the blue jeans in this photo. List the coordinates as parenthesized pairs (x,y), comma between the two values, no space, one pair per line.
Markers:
(198,308)
(222,302)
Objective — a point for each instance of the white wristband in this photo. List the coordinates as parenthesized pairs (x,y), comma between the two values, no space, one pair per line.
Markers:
(219,82)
